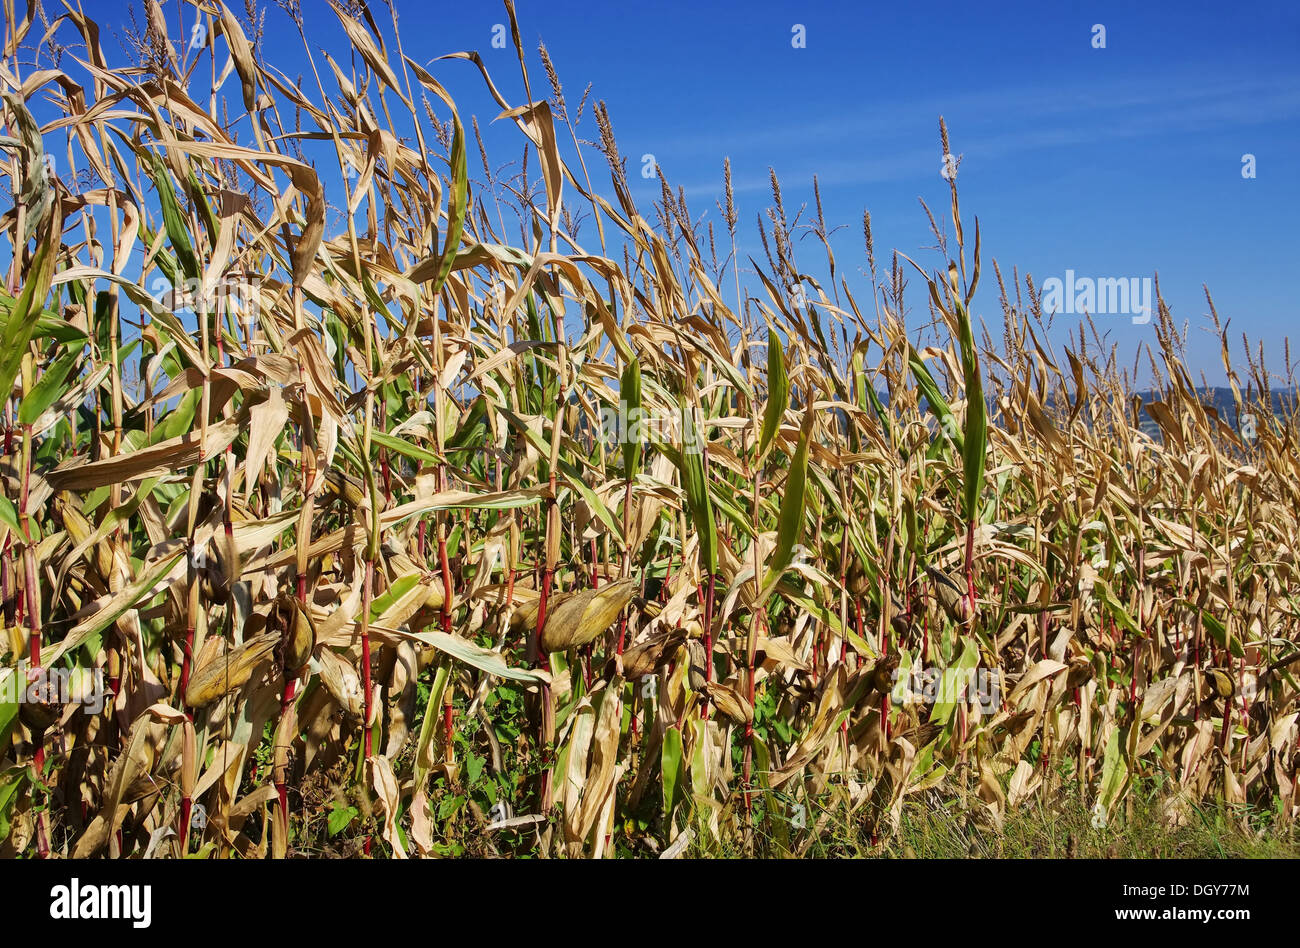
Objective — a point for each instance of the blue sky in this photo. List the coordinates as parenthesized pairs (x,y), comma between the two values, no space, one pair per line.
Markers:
(1114,162)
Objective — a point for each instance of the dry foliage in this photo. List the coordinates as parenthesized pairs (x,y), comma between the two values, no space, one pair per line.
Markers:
(321,532)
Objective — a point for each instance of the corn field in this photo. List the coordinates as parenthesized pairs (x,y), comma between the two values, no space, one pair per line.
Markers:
(353,507)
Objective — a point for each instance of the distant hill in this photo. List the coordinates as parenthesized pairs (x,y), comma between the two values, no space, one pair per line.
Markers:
(1220,398)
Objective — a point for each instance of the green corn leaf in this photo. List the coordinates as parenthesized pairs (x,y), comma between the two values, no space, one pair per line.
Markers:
(472,429)
(485,660)
(778,391)
(180,419)
(11,781)
(1219,632)
(671,764)
(26,312)
(399,588)
(792,504)
(954,680)
(629,393)
(975,439)
(47,389)
(1114,772)
(878,408)
(404,447)
(691,464)
(629,390)
(457,202)
(938,405)
(1113,606)
(173,220)
(423,757)
(9,515)
(49,324)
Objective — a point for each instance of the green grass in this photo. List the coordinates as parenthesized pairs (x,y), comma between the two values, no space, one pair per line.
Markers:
(1066,831)
(938,826)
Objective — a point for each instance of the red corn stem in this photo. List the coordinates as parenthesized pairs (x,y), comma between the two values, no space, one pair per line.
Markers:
(925,637)
(446,580)
(7,581)
(33,621)
(7,569)
(622,631)
(1241,684)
